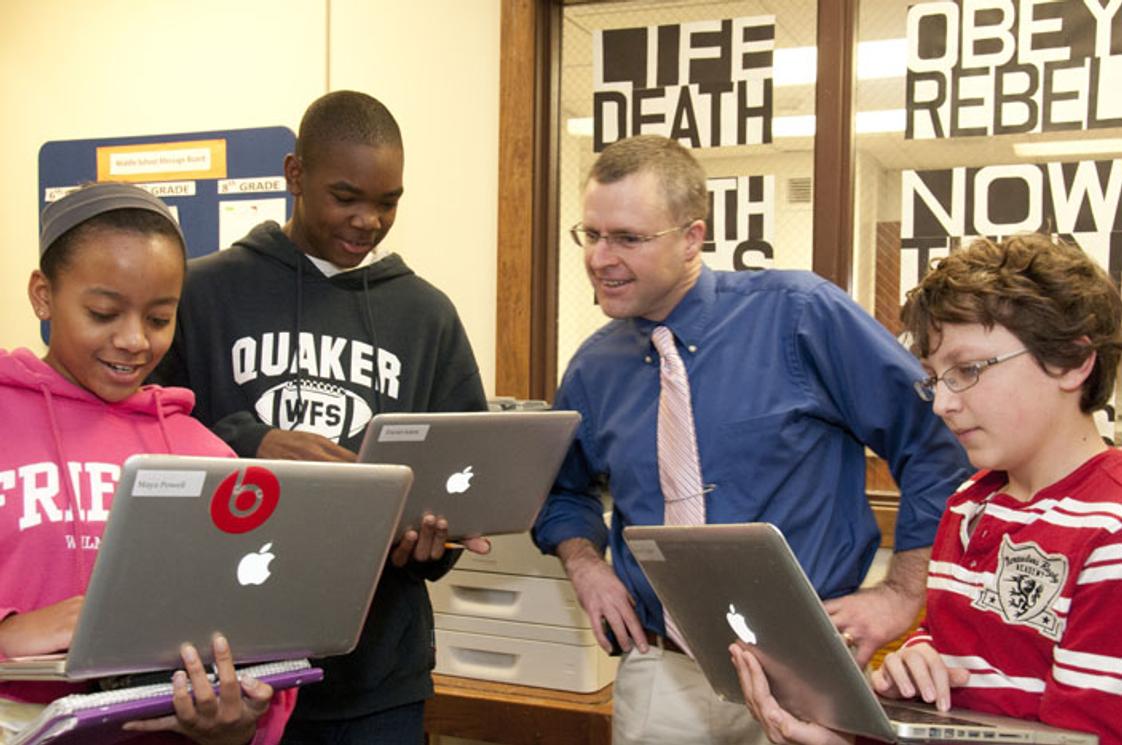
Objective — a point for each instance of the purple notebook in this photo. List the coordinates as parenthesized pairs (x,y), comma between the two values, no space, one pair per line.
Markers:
(96,718)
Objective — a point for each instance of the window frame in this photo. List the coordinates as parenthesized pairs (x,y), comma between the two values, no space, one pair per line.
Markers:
(529,78)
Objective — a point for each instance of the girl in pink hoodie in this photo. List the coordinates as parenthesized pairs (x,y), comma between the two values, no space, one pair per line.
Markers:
(111,266)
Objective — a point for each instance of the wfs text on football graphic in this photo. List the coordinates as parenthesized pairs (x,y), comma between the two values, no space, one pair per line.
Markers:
(323,380)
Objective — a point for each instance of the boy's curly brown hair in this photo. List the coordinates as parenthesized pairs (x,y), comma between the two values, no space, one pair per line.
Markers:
(1051,296)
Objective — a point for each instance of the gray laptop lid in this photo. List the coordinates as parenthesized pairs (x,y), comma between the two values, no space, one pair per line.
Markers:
(715,579)
(280,556)
(487,473)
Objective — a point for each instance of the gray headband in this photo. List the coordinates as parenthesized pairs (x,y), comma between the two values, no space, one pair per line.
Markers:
(90,201)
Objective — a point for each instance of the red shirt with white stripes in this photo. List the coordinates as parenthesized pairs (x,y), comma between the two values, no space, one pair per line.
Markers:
(1028,597)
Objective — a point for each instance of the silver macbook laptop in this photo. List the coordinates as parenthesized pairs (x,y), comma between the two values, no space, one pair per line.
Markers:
(487,473)
(280,556)
(721,582)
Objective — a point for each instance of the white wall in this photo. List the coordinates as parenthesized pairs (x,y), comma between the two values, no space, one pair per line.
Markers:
(435,64)
(108,68)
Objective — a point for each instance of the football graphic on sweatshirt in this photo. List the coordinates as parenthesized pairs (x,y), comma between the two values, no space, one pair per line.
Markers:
(314,406)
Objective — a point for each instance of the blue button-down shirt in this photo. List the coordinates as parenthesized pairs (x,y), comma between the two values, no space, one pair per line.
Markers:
(790,379)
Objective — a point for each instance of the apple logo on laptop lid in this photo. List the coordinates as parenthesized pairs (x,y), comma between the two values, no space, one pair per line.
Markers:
(253,569)
(459,482)
(740,626)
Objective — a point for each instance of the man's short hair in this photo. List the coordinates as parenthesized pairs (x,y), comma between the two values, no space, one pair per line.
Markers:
(1052,296)
(681,176)
(347,117)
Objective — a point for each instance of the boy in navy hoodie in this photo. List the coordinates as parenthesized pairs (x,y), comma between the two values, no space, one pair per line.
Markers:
(292,339)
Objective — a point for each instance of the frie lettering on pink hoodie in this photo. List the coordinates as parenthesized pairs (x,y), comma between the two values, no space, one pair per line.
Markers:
(61,450)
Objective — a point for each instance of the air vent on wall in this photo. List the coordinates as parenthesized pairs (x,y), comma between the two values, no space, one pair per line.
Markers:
(799,190)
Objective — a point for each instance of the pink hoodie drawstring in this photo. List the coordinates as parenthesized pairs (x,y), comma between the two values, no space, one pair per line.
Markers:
(65,478)
(158,394)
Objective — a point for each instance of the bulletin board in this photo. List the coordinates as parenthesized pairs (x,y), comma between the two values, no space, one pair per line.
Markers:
(219,184)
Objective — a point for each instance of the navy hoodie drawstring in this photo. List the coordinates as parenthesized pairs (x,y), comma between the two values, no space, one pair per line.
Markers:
(296,342)
(64,477)
(376,389)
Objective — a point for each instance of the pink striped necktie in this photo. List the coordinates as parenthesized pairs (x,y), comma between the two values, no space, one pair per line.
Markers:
(679,469)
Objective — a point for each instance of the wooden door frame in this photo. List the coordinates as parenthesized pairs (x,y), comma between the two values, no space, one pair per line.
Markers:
(833,142)
(526,312)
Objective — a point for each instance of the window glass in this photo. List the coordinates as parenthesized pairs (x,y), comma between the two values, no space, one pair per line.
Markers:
(733,80)
(982,118)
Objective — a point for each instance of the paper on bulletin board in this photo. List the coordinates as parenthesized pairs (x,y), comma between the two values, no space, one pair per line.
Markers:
(237,217)
(192,159)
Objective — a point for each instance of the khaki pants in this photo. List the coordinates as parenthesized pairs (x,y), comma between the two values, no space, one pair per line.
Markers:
(663,698)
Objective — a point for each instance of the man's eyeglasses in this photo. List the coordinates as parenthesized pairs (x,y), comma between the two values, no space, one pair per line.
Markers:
(587,238)
(960,377)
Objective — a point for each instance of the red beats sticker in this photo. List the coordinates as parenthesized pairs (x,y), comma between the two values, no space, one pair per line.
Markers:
(245,500)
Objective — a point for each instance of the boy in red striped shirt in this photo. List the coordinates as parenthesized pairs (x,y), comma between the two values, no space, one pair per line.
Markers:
(1021,342)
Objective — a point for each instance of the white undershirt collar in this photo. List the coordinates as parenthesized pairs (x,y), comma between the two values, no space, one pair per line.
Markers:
(330,269)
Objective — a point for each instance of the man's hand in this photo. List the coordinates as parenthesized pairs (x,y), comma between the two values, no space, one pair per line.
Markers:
(226,718)
(602,595)
(872,617)
(284,444)
(43,631)
(778,724)
(918,670)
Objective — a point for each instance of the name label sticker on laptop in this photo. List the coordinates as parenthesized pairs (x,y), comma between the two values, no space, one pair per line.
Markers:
(646,550)
(403,433)
(151,483)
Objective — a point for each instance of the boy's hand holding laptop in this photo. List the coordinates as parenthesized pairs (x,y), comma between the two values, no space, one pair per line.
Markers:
(292,444)
(431,541)
(778,723)
(791,666)
(918,670)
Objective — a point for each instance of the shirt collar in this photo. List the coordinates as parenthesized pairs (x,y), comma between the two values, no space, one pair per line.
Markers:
(692,313)
(330,270)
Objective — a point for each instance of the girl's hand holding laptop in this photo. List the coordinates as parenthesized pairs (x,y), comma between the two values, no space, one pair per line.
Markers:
(42,631)
(226,718)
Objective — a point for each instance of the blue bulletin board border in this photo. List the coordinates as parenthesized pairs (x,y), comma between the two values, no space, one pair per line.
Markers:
(254,153)
(250,153)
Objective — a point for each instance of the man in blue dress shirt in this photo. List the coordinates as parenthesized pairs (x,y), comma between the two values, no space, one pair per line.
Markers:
(790,380)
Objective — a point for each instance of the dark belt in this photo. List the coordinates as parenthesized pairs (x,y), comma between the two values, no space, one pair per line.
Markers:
(663,642)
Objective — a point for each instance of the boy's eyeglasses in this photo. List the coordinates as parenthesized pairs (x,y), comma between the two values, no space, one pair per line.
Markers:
(587,238)
(960,377)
